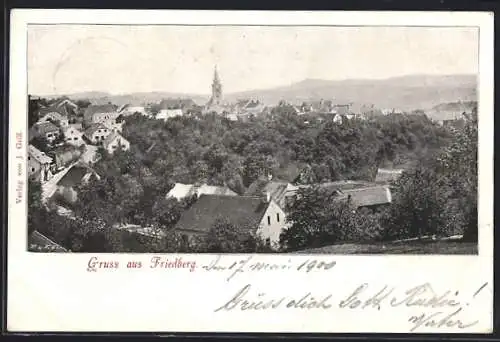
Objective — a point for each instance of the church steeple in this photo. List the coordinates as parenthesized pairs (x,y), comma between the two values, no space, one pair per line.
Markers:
(216,89)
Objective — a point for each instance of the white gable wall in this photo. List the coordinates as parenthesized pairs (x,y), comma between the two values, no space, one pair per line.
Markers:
(273,223)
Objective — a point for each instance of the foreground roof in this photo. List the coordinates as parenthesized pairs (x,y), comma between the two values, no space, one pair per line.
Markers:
(244,212)
(388,175)
(38,155)
(276,189)
(94,109)
(366,197)
(40,243)
(45,127)
(93,128)
(111,138)
(180,190)
(215,190)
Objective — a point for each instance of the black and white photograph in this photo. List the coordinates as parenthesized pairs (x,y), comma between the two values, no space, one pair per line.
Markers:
(252,139)
(226,171)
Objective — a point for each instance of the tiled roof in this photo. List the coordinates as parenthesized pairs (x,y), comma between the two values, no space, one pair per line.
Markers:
(214,190)
(71,128)
(77,174)
(93,109)
(73,177)
(93,128)
(41,157)
(45,127)
(110,138)
(65,154)
(366,197)
(41,243)
(61,110)
(77,125)
(63,101)
(278,190)
(56,115)
(387,175)
(243,212)
(180,191)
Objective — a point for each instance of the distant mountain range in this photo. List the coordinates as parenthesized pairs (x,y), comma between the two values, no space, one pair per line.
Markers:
(405,93)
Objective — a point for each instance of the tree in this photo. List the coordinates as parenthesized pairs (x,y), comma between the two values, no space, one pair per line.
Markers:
(35,205)
(318,218)
(166,212)
(458,163)
(418,206)
(226,237)
(223,237)
(83,104)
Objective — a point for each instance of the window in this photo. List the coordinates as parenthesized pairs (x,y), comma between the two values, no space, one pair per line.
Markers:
(32,169)
(98,131)
(278,217)
(29,158)
(102,138)
(113,147)
(75,138)
(49,135)
(269,220)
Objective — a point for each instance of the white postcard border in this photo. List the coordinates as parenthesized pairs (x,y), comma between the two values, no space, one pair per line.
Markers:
(55,292)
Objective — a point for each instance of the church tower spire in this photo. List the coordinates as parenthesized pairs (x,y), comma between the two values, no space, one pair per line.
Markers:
(216,89)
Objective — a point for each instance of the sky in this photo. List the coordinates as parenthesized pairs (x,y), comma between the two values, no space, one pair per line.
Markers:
(64,59)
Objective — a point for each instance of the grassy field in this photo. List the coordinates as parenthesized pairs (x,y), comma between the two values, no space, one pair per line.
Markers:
(406,247)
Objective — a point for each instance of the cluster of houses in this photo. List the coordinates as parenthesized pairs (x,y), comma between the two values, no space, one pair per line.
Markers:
(64,144)
(263,208)
(67,137)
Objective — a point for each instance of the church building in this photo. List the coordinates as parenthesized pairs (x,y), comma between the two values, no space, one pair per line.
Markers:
(216,104)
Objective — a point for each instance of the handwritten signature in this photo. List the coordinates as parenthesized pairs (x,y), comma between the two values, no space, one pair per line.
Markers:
(438,320)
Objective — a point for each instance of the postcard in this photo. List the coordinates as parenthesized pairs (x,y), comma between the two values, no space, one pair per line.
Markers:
(246,171)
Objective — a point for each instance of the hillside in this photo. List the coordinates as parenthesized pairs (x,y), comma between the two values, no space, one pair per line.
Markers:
(132,98)
(405,93)
(450,110)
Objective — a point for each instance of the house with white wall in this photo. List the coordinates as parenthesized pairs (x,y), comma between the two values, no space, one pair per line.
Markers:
(100,113)
(73,136)
(254,215)
(56,118)
(97,133)
(166,114)
(38,164)
(46,130)
(115,141)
